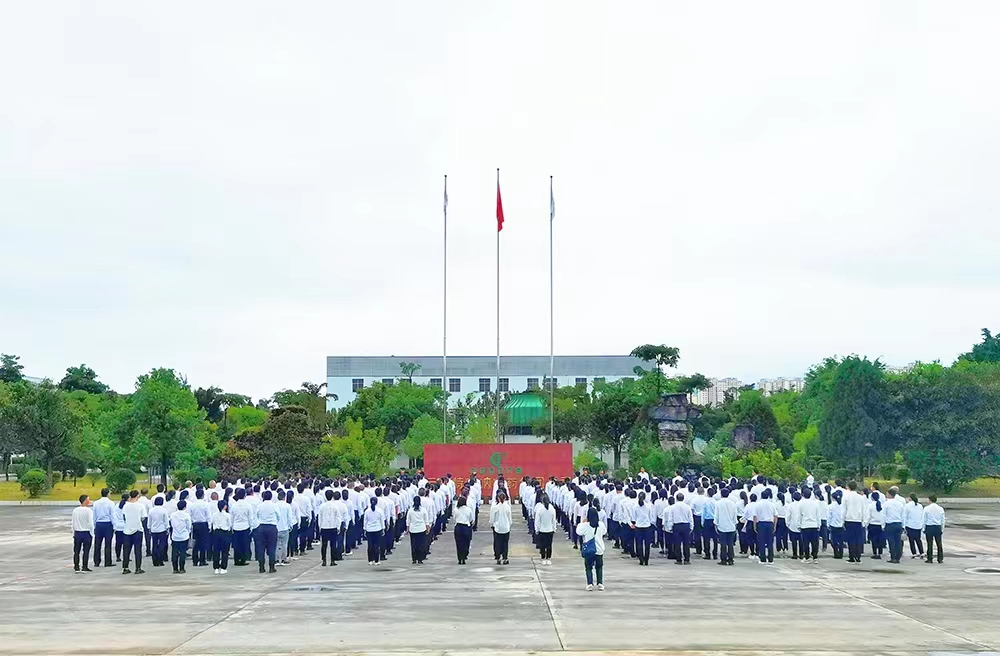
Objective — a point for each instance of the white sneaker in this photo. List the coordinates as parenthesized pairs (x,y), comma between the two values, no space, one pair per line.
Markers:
(590,588)
(223,571)
(218,571)
(600,587)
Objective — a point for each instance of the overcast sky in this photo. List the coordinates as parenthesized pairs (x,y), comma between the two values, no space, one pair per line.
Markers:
(239,189)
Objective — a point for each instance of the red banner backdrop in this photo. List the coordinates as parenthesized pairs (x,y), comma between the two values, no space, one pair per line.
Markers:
(514,461)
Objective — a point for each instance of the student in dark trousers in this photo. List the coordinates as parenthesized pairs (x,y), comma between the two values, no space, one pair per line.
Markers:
(83,529)
(181,528)
(103,528)
(683,519)
(159,530)
(765,518)
(374,524)
(222,537)
(267,529)
(463,530)
(934,529)
(418,526)
(913,519)
(120,527)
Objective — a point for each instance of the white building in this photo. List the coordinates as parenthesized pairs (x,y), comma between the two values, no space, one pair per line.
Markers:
(772,385)
(716,394)
(345,375)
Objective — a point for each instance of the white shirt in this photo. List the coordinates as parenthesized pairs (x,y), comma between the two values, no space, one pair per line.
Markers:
(835,515)
(545,519)
(83,519)
(200,511)
(894,510)
(159,520)
(793,516)
(725,516)
(181,526)
(328,515)
(267,513)
(933,515)
(588,533)
(241,512)
(680,513)
(416,520)
(644,516)
(465,516)
(855,506)
(374,520)
(500,517)
(811,513)
(221,520)
(763,511)
(914,516)
(134,513)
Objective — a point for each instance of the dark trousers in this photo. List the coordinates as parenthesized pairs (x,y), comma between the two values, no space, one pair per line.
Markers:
(119,544)
(178,554)
(709,540)
(148,537)
(643,538)
(202,543)
(501,542)
(338,548)
(894,536)
(592,563)
(463,539)
(81,541)
(267,544)
(798,550)
(855,533)
(781,535)
(682,536)
(810,542)
(159,548)
(387,542)
(916,544)
(765,541)
(545,545)
(933,534)
(837,541)
(220,548)
(613,531)
(374,541)
(418,546)
(293,540)
(305,535)
(877,537)
(727,541)
(327,539)
(241,546)
(103,532)
(132,543)
(696,534)
(628,539)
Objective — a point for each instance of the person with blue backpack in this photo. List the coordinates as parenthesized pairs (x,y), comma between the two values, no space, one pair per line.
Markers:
(592,534)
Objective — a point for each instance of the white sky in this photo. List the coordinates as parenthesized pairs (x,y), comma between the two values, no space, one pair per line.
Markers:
(239,189)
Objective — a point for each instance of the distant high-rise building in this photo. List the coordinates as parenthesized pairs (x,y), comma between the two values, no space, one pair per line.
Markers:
(771,385)
(716,394)
(889,369)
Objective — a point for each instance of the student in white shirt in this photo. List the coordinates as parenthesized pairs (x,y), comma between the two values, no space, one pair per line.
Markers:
(764,520)
(241,512)
(329,520)
(267,532)
(545,526)
(933,529)
(83,534)
(835,520)
(180,533)
(681,519)
(855,510)
(913,519)
(374,524)
(133,513)
(894,510)
(811,513)
(643,518)
(418,526)
(119,524)
(876,522)
(144,500)
(159,527)
(464,521)
(221,523)
(500,523)
(793,520)
(726,526)
(593,530)
(200,513)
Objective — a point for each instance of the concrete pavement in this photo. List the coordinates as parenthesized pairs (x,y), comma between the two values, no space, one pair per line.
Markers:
(790,608)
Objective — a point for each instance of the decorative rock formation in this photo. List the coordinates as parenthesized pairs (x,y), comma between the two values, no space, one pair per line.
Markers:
(744,437)
(672,417)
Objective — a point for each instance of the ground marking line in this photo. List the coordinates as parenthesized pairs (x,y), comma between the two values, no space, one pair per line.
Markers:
(548,604)
(893,611)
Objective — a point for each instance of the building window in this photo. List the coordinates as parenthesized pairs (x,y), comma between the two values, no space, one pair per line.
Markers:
(532,384)
(454,384)
(436,382)
(387,381)
(357,384)
(555,382)
(484,384)
(581,382)
(599,380)
(503,385)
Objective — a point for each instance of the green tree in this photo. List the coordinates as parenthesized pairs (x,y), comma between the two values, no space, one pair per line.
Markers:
(10,368)
(286,443)
(358,451)
(480,430)
(45,424)
(853,430)
(82,378)
(215,402)
(426,429)
(311,397)
(572,415)
(11,438)
(394,407)
(693,383)
(408,369)
(754,409)
(616,409)
(163,423)
(662,355)
(240,418)
(986,351)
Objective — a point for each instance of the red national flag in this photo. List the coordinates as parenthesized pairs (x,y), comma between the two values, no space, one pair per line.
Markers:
(499,210)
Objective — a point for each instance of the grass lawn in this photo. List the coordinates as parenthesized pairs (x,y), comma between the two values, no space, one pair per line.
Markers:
(65,491)
(981,487)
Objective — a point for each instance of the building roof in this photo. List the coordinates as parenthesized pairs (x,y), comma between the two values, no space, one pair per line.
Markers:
(365,366)
(522,409)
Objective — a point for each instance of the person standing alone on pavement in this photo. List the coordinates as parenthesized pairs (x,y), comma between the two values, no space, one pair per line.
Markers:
(592,533)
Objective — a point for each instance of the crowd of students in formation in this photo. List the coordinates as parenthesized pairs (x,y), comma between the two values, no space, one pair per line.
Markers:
(276,521)
(272,522)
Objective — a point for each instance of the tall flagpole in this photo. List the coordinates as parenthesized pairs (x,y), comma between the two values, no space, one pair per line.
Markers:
(552,322)
(444,330)
(499,437)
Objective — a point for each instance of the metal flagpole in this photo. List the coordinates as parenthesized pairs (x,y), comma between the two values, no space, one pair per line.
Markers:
(444,331)
(499,438)
(552,322)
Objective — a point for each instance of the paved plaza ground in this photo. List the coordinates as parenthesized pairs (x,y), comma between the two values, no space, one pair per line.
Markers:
(790,608)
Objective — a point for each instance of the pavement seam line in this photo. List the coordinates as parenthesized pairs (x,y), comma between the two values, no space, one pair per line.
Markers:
(548,605)
(270,590)
(893,611)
